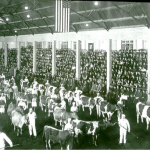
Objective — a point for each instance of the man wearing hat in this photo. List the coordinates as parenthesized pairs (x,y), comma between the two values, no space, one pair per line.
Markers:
(3,138)
(124,127)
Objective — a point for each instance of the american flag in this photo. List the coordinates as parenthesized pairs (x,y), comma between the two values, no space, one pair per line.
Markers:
(62,15)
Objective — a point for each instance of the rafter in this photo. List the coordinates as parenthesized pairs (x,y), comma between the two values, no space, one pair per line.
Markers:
(45,22)
(88,19)
(129,14)
(107,27)
(147,20)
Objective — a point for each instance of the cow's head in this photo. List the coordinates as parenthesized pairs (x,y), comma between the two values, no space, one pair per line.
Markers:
(26,120)
(74,115)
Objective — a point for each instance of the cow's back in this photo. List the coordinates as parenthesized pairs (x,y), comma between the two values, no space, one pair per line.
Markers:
(17,118)
(141,107)
(11,107)
(85,100)
(103,105)
(148,112)
(58,113)
(111,108)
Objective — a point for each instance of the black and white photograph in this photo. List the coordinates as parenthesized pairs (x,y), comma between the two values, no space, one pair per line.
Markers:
(74,75)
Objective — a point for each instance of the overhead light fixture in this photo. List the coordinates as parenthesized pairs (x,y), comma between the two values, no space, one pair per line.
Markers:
(96,3)
(26,7)
(28,16)
(87,25)
(7,19)
(15,31)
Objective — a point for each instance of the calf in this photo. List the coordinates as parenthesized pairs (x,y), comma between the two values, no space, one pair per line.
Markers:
(57,136)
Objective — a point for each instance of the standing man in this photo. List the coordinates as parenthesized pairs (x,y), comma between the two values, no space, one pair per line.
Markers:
(69,126)
(124,127)
(32,116)
(3,138)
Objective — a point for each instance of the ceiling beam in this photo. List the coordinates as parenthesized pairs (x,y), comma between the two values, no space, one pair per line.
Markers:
(146,11)
(88,19)
(129,14)
(105,20)
(45,22)
(81,12)
(107,27)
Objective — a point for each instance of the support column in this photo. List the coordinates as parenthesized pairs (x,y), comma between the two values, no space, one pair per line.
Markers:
(53,58)
(135,44)
(19,55)
(118,44)
(109,64)
(44,44)
(69,44)
(16,42)
(6,49)
(3,45)
(148,72)
(34,56)
(26,44)
(72,45)
(78,48)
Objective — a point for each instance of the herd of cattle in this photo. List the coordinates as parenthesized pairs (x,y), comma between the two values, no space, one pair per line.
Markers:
(50,104)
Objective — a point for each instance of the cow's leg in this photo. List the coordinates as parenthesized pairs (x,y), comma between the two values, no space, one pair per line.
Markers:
(68,147)
(21,131)
(137,117)
(46,144)
(49,143)
(103,114)
(90,109)
(141,118)
(63,127)
(147,121)
(55,122)
(83,107)
(17,131)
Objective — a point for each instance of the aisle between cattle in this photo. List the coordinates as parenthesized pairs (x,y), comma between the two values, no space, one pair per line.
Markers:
(107,139)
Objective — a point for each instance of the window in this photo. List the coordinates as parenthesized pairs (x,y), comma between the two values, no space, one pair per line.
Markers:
(64,45)
(39,45)
(49,44)
(30,44)
(127,44)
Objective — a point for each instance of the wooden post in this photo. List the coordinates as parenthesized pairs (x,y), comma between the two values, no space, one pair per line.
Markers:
(53,58)
(78,48)
(109,64)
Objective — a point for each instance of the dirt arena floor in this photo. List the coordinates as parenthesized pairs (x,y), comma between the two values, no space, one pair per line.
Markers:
(107,139)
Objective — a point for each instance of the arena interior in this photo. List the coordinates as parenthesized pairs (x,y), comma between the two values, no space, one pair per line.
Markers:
(90,54)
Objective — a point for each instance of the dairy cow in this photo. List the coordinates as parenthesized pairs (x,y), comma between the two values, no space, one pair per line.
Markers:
(64,138)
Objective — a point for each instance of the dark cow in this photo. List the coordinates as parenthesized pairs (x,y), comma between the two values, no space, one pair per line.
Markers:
(62,116)
(87,102)
(57,136)
(107,108)
(143,111)
(90,128)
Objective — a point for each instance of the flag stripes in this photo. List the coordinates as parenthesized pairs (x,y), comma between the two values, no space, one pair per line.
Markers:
(62,16)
